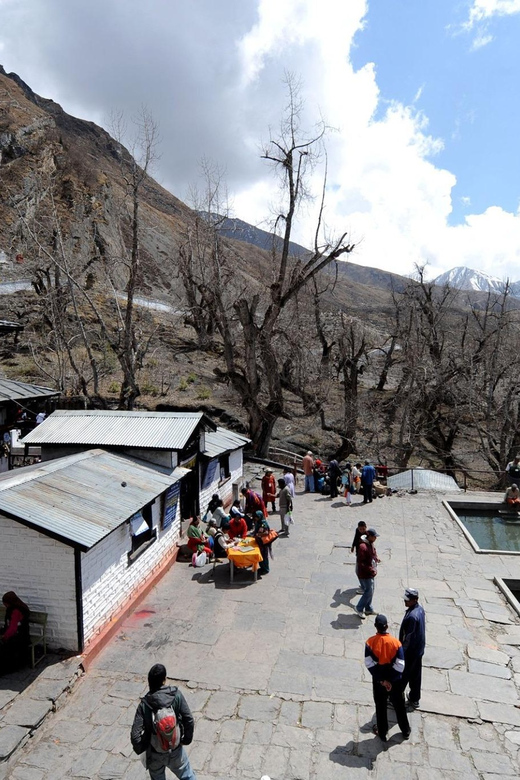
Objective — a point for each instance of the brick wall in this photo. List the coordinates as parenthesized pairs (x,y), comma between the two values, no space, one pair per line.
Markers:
(41,571)
(226,490)
(109,582)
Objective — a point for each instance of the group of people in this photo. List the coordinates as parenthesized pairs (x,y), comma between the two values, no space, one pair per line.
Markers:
(333,479)
(393,663)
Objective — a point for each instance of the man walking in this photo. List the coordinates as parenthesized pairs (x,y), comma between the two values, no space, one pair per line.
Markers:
(163,723)
(384,659)
(412,635)
(308,470)
(366,570)
(285,503)
(368,476)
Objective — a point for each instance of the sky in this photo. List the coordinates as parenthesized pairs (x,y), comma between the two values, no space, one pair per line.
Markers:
(420,97)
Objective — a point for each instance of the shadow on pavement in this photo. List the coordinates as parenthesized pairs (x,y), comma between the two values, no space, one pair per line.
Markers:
(345,755)
(343,597)
(346,622)
(218,576)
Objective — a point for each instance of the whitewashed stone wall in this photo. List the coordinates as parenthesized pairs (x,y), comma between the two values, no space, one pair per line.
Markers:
(225,492)
(109,582)
(41,571)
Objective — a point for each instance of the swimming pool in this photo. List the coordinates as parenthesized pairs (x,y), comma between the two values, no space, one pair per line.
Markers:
(486,526)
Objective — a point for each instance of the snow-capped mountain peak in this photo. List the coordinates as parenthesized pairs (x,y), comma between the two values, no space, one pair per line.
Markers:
(463,278)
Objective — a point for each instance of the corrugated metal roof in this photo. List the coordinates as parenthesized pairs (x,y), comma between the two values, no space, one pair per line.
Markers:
(100,428)
(222,440)
(425,479)
(80,498)
(17,391)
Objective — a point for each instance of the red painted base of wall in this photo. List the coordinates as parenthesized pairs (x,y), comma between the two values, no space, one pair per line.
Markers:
(94,647)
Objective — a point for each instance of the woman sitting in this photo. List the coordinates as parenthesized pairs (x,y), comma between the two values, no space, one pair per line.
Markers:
(512,497)
(197,540)
(237,527)
(14,639)
(215,510)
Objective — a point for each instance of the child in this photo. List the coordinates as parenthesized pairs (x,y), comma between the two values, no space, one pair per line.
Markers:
(360,532)
(345,484)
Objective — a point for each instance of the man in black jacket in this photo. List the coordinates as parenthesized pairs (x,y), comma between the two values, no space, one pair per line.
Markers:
(412,636)
(160,697)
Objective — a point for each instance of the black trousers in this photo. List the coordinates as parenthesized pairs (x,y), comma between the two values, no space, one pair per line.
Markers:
(412,676)
(381,696)
(367,493)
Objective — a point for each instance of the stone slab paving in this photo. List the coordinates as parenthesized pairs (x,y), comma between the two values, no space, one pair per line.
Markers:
(28,696)
(274,670)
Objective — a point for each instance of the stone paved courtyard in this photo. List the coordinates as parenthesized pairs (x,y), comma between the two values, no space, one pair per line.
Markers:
(274,670)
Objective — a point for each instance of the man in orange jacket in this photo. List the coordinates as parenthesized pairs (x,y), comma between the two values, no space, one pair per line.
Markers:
(384,659)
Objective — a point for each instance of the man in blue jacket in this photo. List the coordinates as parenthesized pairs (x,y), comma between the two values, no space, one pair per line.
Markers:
(412,635)
(368,477)
(384,659)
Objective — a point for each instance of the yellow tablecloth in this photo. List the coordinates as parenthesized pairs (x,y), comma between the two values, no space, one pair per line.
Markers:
(244,559)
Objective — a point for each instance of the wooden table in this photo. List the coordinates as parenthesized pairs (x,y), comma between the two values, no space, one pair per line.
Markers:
(244,560)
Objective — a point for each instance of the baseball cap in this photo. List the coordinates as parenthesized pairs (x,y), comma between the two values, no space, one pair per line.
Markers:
(381,621)
(372,532)
(411,593)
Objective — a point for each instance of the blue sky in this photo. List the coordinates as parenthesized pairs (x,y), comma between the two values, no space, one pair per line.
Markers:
(470,95)
(422,96)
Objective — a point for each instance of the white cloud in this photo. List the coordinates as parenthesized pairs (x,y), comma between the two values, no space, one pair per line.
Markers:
(485,9)
(481,40)
(211,73)
(384,185)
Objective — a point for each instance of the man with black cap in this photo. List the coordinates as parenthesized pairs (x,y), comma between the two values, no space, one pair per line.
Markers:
(412,635)
(163,723)
(384,659)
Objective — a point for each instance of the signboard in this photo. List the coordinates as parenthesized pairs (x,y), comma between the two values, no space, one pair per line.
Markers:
(209,476)
(171,499)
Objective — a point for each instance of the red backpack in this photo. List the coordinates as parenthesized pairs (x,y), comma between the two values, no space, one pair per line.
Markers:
(166,733)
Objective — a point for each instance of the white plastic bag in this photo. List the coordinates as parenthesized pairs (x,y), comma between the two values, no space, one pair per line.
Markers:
(289,518)
(200,559)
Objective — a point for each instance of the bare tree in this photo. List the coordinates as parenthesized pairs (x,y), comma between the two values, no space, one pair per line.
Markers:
(253,346)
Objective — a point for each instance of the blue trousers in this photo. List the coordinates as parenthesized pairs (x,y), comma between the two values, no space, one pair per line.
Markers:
(177,762)
(309,483)
(365,602)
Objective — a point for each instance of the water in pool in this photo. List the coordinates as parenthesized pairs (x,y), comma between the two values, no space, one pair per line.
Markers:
(490,530)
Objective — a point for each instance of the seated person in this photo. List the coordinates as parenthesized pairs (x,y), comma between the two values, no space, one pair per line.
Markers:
(197,540)
(237,527)
(14,638)
(211,528)
(215,510)
(221,543)
(512,496)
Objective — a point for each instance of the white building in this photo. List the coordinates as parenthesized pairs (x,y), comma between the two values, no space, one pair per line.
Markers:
(212,458)
(83,536)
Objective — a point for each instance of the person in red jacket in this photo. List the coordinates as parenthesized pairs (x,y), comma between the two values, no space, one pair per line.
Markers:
(367,561)
(269,488)
(237,527)
(14,638)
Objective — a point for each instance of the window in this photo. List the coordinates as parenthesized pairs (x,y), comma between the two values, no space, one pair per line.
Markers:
(142,533)
(224,467)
